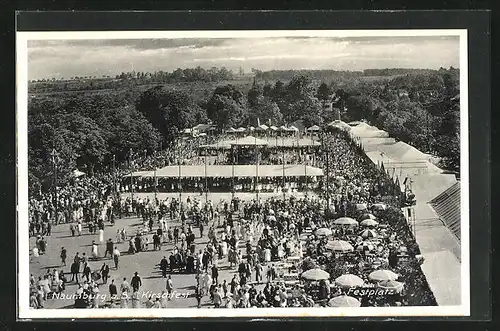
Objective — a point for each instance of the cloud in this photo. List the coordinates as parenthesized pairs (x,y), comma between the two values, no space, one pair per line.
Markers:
(68,58)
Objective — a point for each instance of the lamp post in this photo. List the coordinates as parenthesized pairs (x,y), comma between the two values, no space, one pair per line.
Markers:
(114,176)
(206,179)
(55,201)
(283,168)
(131,177)
(155,179)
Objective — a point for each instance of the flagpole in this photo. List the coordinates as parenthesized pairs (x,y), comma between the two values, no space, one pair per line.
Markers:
(155,179)
(283,150)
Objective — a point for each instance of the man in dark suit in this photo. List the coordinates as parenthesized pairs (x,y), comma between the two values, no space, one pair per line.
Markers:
(163,266)
(109,247)
(136,282)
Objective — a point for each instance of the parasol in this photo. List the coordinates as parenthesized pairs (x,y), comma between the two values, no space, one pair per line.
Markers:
(369,234)
(323,232)
(345,221)
(344,301)
(365,244)
(369,222)
(361,206)
(348,281)
(339,246)
(315,274)
(380,275)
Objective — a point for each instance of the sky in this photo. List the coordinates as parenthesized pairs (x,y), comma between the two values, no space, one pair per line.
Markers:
(69,58)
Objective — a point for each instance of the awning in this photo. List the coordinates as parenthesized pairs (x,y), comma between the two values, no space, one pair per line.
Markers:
(226,171)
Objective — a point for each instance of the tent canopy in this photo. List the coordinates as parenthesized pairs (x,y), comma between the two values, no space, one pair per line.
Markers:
(314,128)
(226,171)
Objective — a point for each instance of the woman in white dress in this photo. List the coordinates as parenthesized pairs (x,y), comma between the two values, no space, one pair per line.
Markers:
(101,235)
(223,246)
(95,251)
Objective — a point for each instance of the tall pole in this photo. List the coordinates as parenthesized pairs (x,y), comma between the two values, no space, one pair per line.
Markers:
(257,170)
(327,180)
(155,179)
(54,155)
(232,172)
(206,179)
(114,176)
(131,177)
(283,167)
(179,186)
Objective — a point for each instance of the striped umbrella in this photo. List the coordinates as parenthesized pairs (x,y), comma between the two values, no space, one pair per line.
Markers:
(368,233)
(380,275)
(364,244)
(344,301)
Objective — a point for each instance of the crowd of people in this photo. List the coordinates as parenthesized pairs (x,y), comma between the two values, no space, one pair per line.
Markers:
(268,244)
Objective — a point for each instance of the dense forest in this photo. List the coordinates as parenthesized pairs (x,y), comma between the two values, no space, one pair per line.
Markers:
(140,112)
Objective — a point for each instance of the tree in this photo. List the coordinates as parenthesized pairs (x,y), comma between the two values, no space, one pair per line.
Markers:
(254,94)
(266,110)
(226,112)
(324,93)
(170,111)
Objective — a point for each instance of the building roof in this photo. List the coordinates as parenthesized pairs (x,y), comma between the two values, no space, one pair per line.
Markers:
(249,141)
(447,206)
(272,142)
(226,171)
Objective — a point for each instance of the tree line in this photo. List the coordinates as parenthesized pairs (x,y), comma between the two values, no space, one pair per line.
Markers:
(90,130)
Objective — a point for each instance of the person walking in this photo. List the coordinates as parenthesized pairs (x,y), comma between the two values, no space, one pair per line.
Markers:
(116,257)
(164,266)
(113,292)
(105,273)
(258,272)
(215,274)
(109,248)
(169,287)
(136,282)
(63,256)
(75,270)
(125,287)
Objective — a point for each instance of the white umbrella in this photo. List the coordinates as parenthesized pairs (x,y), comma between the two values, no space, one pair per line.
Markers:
(339,246)
(361,206)
(323,232)
(369,222)
(344,301)
(368,233)
(345,221)
(315,274)
(379,275)
(293,128)
(348,281)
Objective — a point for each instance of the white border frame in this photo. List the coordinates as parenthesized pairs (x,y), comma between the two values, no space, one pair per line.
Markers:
(23,310)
